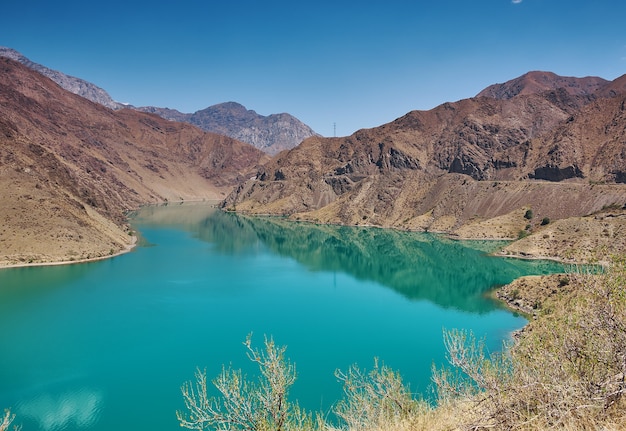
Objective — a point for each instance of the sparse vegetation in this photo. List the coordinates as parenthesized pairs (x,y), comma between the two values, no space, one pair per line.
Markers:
(245,405)
(612,207)
(528,215)
(7,420)
(376,399)
(566,371)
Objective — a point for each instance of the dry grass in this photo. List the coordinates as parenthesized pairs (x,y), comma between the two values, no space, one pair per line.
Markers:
(566,372)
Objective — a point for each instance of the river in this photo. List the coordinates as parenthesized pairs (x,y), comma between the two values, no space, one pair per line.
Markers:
(106,345)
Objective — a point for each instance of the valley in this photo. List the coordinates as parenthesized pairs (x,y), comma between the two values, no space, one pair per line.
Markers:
(539,161)
(72,168)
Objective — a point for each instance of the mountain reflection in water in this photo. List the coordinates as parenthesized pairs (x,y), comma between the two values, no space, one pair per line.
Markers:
(420,266)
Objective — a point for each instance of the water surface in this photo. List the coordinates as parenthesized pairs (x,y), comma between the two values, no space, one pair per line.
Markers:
(106,345)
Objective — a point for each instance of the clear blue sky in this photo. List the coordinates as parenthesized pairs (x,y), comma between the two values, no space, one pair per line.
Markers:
(358,64)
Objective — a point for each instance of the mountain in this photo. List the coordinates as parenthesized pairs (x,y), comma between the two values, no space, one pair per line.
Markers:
(537,82)
(75,85)
(531,144)
(271,134)
(71,169)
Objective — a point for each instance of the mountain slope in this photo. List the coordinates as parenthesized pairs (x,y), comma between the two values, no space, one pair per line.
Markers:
(71,168)
(72,84)
(459,163)
(271,134)
(537,82)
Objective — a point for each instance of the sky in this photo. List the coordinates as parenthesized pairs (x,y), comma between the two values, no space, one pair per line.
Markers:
(338,66)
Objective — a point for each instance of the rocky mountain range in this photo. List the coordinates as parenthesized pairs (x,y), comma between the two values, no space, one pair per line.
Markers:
(554,146)
(271,134)
(539,82)
(541,141)
(70,169)
(72,84)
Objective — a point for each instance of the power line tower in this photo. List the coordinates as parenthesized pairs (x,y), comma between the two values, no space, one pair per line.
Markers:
(334,130)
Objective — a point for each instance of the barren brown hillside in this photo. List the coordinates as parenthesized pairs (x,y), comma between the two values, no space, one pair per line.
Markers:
(70,169)
(536,82)
(470,168)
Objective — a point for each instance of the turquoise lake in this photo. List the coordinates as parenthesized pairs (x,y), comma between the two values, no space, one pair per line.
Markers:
(106,345)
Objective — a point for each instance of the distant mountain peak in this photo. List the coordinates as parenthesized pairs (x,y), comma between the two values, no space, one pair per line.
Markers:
(272,133)
(537,82)
(13,55)
(233,106)
(70,83)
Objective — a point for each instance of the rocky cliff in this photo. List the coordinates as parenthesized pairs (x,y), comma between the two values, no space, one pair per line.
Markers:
(271,134)
(70,83)
(537,82)
(557,147)
(71,169)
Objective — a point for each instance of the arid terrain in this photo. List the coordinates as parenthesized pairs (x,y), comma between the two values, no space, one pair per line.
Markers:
(70,169)
(541,158)
(269,133)
(553,145)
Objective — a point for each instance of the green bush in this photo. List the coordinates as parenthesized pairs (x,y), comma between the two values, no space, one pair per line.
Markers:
(545,221)
(528,214)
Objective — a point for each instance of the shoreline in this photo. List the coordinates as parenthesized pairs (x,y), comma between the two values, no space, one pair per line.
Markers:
(127,249)
(215,203)
(130,247)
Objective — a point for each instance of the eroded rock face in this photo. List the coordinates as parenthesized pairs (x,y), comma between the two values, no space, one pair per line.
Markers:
(467,166)
(620,176)
(555,173)
(271,134)
(409,173)
(538,82)
(70,83)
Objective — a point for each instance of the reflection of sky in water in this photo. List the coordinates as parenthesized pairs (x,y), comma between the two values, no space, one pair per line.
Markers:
(77,409)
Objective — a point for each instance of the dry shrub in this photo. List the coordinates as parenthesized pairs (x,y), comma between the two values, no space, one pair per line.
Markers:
(375,400)
(6,420)
(566,372)
(378,400)
(247,405)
